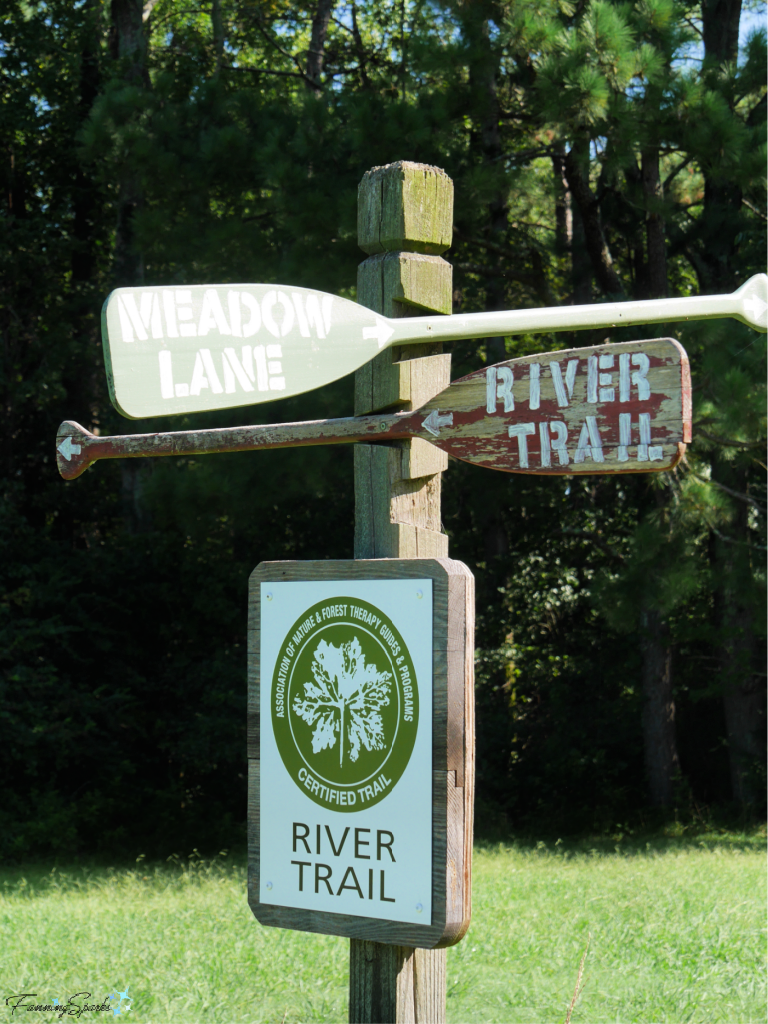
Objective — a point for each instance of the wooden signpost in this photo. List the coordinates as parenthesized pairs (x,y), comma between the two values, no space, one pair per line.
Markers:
(179,350)
(360,712)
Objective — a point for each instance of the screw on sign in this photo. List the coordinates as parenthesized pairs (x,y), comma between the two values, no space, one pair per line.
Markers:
(623,408)
(178,350)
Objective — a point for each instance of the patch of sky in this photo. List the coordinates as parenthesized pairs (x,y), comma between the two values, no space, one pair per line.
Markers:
(344,16)
(753,19)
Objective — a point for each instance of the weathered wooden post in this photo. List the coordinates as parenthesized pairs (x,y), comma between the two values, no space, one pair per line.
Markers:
(405,221)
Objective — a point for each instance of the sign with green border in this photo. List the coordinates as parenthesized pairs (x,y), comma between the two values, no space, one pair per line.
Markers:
(345,703)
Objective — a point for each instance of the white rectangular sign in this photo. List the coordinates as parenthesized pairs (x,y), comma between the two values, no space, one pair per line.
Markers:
(346,747)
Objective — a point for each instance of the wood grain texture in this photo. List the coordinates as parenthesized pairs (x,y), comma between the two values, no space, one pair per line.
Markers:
(453,749)
(400,284)
(420,458)
(405,205)
(395,517)
(381,491)
(395,983)
(636,394)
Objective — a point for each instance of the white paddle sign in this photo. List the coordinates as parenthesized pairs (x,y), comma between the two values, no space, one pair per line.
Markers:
(180,350)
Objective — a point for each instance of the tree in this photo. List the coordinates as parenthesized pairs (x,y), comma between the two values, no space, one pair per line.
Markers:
(729,217)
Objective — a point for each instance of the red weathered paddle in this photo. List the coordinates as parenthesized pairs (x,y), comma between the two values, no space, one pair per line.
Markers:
(623,408)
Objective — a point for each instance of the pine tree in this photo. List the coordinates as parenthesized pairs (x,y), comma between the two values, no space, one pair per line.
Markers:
(734,404)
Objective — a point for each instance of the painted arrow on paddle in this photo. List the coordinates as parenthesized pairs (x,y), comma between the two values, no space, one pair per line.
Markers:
(623,408)
(179,350)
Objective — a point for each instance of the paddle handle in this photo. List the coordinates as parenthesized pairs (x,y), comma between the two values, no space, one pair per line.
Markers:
(77,448)
(749,305)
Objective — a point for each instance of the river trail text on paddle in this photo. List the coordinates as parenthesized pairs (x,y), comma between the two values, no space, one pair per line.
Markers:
(620,408)
(170,351)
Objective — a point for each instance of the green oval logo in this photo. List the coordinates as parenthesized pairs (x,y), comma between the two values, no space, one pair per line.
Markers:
(345,706)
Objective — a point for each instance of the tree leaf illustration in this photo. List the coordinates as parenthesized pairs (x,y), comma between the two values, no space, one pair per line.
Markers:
(344,700)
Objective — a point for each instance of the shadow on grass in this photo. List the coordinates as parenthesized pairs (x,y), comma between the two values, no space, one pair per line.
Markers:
(76,873)
(67,874)
(654,835)
(626,846)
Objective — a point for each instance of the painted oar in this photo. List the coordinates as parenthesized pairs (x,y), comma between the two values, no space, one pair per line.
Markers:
(179,350)
(623,408)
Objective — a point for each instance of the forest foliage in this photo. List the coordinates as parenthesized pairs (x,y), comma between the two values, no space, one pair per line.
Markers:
(600,150)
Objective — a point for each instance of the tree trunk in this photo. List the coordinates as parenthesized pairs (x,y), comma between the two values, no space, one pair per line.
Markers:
(743,690)
(316,54)
(563,211)
(743,693)
(128,45)
(659,733)
(84,193)
(720,29)
(743,700)
(87,197)
(577,173)
(13,185)
(485,139)
(127,40)
(217,27)
(581,264)
(661,759)
(722,198)
(656,245)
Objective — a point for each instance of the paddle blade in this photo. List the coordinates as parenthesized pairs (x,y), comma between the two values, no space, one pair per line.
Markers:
(170,351)
(623,408)
(73,456)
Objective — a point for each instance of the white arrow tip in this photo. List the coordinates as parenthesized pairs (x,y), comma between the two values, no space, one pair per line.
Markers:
(68,449)
(434,421)
(382,332)
(430,423)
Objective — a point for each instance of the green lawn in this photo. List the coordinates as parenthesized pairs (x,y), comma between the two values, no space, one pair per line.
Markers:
(677,934)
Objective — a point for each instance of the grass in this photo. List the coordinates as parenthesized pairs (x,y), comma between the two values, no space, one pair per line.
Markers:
(676,934)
